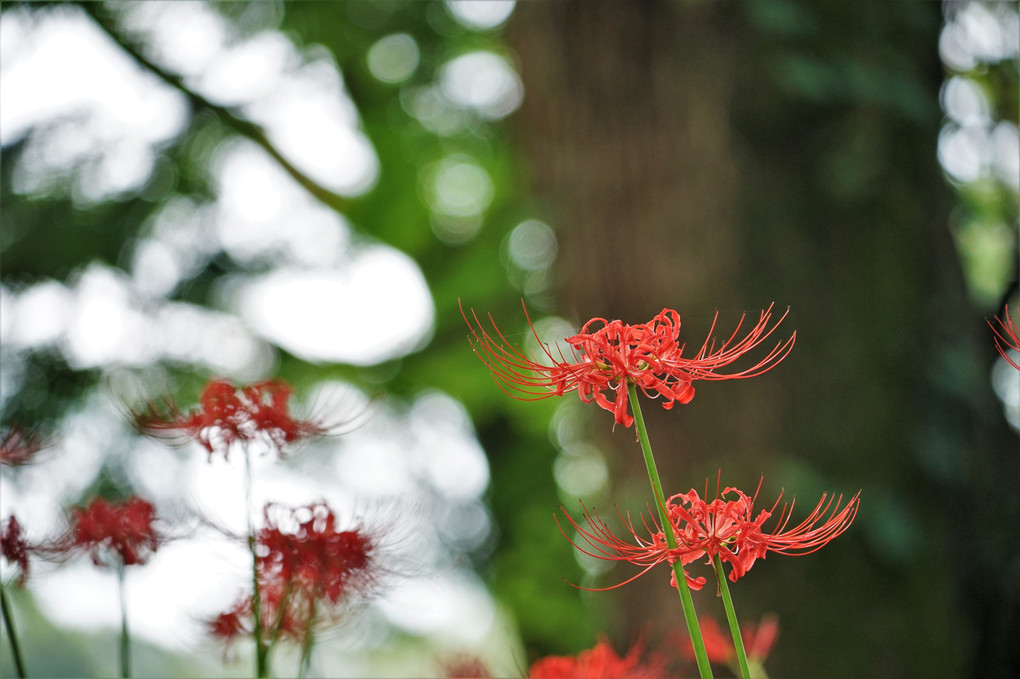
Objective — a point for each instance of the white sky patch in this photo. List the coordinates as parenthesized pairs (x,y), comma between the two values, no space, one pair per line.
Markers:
(101,321)
(480,16)
(65,67)
(175,242)
(313,122)
(454,605)
(375,309)
(964,102)
(482,81)
(41,315)
(187,37)
(452,458)
(262,214)
(105,326)
(980,32)
(250,70)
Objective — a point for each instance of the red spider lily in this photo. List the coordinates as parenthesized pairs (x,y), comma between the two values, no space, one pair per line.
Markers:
(18,447)
(231,414)
(278,615)
(465,666)
(15,548)
(103,529)
(600,662)
(608,355)
(608,547)
(315,558)
(1007,337)
(758,640)
(302,561)
(726,527)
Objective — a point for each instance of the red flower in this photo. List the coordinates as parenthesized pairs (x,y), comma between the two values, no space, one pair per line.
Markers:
(229,415)
(15,548)
(279,615)
(608,355)
(302,561)
(103,529)
(600,662)
(758,640)
(726,526)
(1007,337)
(314,557)
(465,666)
(18,447)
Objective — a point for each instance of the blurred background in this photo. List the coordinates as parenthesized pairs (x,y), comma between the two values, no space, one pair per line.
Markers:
(305,190)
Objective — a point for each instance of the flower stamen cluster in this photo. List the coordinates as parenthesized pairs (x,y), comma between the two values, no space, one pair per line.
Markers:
(303,562)
(112,533)
(1007,337)
(726,527)
(607,355)
(229,415)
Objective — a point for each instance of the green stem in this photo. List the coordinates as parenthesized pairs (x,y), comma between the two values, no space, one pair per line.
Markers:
(731,617)
(256,599)
(19,665)
(700,655)
(306,650)
(125,636)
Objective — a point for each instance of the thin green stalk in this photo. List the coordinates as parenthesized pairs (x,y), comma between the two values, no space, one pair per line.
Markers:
(690,616)
(277,627)
(125,637)
(19,665)
(261,651)
(309,641)
(731,617)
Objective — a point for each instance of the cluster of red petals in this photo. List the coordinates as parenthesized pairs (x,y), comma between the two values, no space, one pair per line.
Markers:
(302,560)
(14,547)
(1007,337)
(726,527)
(104,529)
(758,640)
(465,666)
(608,355)
(280,615)
(229,415)
(600,662)
(18,447)
(314,556)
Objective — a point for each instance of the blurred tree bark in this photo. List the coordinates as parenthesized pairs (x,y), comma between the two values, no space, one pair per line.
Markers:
(711,156)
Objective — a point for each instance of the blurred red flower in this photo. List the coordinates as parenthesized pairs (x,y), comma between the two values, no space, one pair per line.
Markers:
(1007,337)
(104,529)
(14,547)
(465,666)
(726,526)
(758,640)
(607,355)
(302,548)
(600,662)
(302,560)
(18,447)
(231,414)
